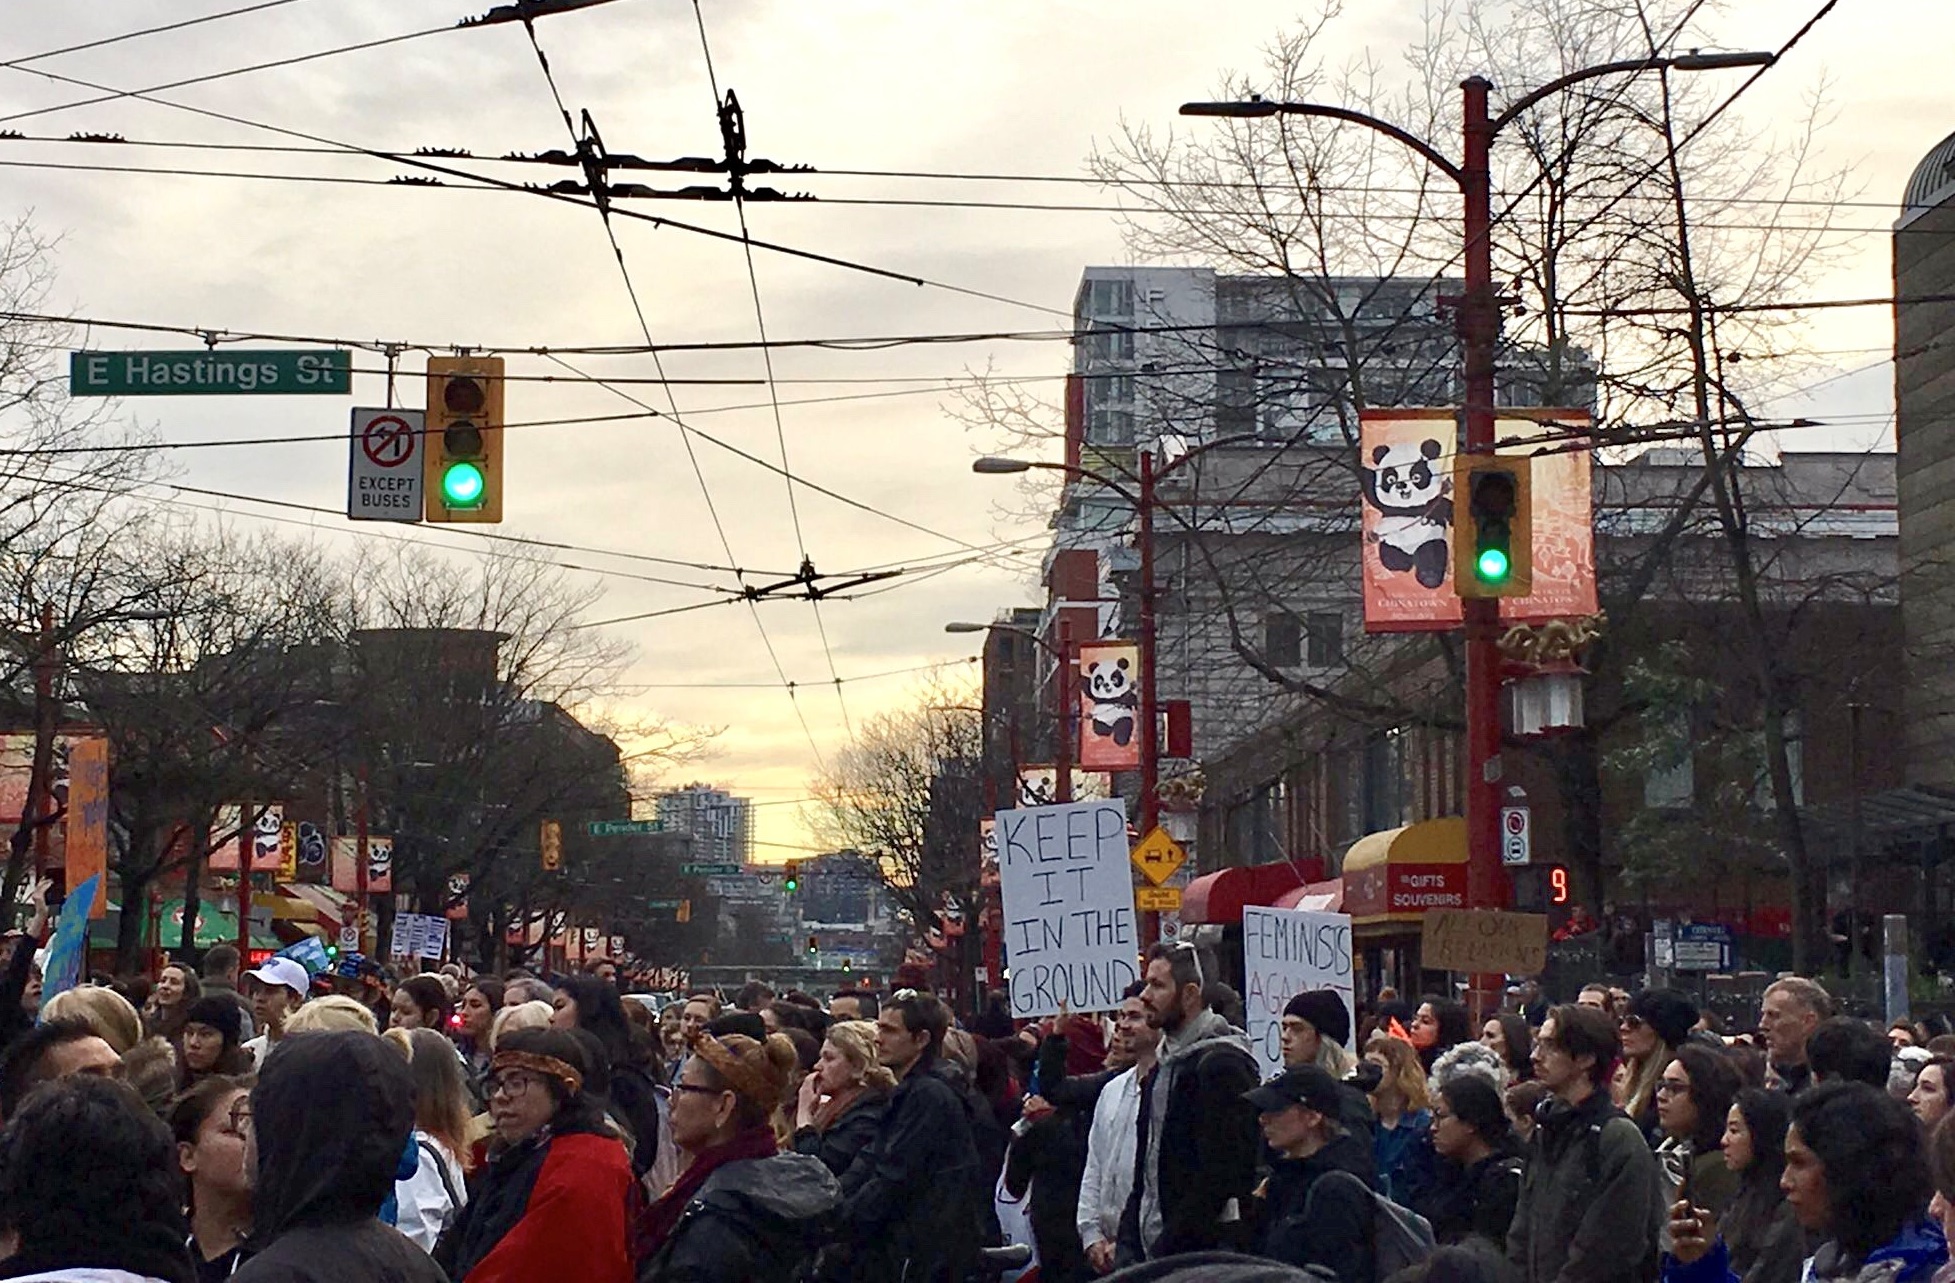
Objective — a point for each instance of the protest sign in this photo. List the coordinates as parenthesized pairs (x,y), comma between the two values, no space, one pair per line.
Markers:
(1483,940)
(1070,934)
(1286,952)
(68,946)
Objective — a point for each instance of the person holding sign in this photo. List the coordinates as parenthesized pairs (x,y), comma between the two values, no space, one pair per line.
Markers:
(1197,1145)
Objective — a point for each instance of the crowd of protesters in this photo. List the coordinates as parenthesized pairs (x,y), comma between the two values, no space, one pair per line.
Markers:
(265,1123)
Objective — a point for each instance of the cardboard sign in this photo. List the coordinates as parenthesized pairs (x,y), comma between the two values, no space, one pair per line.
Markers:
(1482,940)
(1286,952)
(1070,930)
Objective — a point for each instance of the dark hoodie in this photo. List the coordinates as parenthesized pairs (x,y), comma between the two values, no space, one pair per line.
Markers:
(755,1221)
(331,1114)
(1303,1224)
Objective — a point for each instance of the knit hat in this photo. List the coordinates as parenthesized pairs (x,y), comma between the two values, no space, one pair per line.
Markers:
(1668,1012)
(1326,1012)
(219,1012)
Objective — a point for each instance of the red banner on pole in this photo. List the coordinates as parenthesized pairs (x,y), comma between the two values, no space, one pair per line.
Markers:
(1109,706)
(1406,459)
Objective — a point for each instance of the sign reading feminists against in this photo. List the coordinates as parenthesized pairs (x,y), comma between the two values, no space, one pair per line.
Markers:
(1070,935)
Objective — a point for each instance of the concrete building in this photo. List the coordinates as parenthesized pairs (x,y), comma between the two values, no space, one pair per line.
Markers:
(1924,394)
(721,825)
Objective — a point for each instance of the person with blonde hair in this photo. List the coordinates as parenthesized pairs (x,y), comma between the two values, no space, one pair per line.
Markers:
(433,1197)
(841,1102)
(741,1212)
(331,1013)
(1402,1143)
(534,1014)
(107,1014)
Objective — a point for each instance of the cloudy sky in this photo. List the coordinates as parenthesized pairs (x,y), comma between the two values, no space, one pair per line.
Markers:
(1016,88)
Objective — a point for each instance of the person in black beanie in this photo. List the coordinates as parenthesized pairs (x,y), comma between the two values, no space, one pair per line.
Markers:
(88,1182)
(210,1041)
(1314,1029)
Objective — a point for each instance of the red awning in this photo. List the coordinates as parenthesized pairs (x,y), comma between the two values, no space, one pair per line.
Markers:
(1220,896)
(1318,897)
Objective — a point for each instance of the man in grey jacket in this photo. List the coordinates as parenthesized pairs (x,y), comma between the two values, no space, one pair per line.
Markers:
(1591,1202)
(1198,1141)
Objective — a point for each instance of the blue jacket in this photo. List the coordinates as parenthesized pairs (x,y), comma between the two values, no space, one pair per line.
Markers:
(1406,1166)
(1912,1256)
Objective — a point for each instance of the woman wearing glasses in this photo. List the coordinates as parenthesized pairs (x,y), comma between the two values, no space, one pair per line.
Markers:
(742,1212)
(1653,1026)
(1693,1099)
(212,1126)
(555,1197)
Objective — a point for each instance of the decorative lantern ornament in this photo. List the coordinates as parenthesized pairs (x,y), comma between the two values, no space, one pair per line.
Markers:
(1544,681)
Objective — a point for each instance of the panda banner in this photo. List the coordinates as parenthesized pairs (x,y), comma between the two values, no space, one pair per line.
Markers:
(1109,706)
(1407,457)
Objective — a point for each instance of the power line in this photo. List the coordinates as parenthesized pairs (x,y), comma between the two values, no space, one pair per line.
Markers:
(602,204)
(146,31)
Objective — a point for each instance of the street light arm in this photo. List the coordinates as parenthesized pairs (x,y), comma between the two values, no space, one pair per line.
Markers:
(1681,62)
(1439,161)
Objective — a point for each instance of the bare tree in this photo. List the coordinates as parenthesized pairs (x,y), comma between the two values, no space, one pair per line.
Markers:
(908,794)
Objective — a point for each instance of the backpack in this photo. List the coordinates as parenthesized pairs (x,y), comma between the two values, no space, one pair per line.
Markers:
(1400,1237)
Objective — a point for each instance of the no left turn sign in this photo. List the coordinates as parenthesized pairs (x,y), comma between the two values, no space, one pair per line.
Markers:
(383,481)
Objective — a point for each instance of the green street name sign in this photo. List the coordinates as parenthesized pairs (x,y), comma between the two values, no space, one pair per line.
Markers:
(661,904)
(622,828)
(710,870)
(233,372)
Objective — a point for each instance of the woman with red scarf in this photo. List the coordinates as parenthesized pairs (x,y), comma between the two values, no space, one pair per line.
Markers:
(558,1193)
(741,1212)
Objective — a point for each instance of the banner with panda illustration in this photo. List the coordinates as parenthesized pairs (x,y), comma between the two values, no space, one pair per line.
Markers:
(1109,706)
(1406,458)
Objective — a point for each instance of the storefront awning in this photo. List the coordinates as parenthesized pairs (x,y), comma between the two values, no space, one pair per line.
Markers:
(1220,896)
(1398,874)
(335,909)
(1318,897)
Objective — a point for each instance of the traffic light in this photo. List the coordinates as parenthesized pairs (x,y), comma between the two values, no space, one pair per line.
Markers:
(462,474)
(791,879)
(1493,537)
(685,912)
(549,841)
(814,945)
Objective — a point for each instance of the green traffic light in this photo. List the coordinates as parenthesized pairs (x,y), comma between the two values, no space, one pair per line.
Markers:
(462,485)
(1492,566)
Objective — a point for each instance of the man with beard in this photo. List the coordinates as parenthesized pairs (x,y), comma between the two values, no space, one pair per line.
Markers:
(1196,1146)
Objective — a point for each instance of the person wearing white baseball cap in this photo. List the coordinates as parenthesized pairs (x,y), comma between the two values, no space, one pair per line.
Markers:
(277,988)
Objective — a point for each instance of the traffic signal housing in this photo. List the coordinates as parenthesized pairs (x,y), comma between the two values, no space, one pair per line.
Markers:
(791,877)
(1493,530)
(462,473)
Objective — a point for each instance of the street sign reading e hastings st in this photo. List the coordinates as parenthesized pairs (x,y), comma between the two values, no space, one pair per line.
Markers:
(232,372)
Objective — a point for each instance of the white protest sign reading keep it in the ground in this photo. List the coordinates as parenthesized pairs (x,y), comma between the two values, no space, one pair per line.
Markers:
(1070,934)
(1286,952)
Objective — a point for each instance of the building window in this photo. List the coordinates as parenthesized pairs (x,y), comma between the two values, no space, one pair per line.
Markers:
(1384,781)
(1109,300)
(1324,635)
(1110,427)
(1282,639)
(1670,783)
(1235,409)
(1109,345)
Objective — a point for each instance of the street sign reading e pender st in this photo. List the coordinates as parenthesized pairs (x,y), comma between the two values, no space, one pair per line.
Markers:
(231,372)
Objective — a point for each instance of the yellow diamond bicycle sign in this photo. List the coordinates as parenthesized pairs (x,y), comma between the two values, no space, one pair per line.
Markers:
(1157,856)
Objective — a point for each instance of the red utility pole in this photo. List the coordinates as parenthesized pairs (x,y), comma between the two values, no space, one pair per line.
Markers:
(360,859)
(1148,731)
(45,716)
(1479,326)
(247,848)
(1062,743)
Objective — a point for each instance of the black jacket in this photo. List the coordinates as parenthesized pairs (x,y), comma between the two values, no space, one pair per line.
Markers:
(847,1136)
(1304,1224)
(1208,1148)
(1476,1201)
(913,1199)
(331,1113)
(756,1221)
